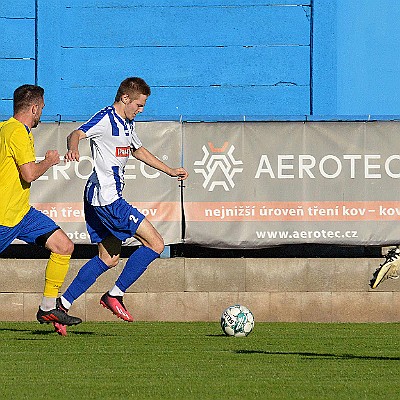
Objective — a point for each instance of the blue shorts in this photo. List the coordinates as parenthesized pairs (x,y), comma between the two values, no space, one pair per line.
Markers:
(32,226)
(118,218)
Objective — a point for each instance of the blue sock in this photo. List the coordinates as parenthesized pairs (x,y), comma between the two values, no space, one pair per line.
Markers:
(135,266)
(87,275)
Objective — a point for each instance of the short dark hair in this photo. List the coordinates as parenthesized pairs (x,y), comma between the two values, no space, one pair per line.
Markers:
(26,96)
(133,87)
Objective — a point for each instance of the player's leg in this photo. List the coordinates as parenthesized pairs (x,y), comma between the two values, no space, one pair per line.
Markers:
(149,236)
(61,249)
(137,263)
(88,275)
(389,269)
(109,254)
(109,250)
(135,266)
(39,229)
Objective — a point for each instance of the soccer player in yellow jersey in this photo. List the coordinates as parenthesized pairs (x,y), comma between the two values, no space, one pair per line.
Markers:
(19,220)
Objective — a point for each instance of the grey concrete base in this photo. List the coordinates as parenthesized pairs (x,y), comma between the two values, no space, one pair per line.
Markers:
(178,289)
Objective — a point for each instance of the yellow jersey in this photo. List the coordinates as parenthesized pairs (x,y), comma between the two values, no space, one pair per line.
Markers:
(16,148)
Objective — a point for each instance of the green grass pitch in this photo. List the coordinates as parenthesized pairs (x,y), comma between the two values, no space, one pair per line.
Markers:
(194,360)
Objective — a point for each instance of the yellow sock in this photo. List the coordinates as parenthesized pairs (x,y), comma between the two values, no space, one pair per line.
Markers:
(56,270)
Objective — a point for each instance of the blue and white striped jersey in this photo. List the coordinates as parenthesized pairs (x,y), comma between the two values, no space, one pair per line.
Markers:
(111,140)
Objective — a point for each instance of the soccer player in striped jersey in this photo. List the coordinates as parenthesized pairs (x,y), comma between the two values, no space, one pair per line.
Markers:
(110,219)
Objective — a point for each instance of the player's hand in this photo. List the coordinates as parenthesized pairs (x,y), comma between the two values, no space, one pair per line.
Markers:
(72,155)
(52,156)
(180,172)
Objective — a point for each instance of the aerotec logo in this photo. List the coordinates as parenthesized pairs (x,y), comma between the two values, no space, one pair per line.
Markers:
(218,166)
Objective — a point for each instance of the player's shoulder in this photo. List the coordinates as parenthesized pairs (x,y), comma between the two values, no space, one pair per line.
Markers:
(10,121)
(97,119)
(12,126)
(103,112)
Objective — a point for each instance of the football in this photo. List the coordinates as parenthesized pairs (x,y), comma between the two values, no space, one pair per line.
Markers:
(237,321)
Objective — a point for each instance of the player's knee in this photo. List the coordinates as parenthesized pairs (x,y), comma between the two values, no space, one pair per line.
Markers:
(158,246)
(111,262)
(69,247)
(64,246)
(57,242)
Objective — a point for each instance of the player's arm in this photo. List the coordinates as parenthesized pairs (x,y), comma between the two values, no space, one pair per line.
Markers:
(142,154)
(33,170)
(73,139)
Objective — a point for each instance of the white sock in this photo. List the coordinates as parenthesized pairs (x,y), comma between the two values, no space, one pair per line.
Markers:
(48,303)
(116,291)
(65,303)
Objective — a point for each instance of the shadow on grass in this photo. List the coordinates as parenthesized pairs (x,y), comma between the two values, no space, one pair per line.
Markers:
(46,332)
(318,355)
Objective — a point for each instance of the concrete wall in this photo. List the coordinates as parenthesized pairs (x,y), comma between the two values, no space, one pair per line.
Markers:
(183,289)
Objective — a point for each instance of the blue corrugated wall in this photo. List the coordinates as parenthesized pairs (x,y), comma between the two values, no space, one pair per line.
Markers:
(17,49)
(205,60)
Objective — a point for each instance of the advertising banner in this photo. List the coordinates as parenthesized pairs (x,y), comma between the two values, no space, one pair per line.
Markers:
(59,192)
(250,185)
(260,184)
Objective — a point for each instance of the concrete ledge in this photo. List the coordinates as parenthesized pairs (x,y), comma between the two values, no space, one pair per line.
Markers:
(178,289)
